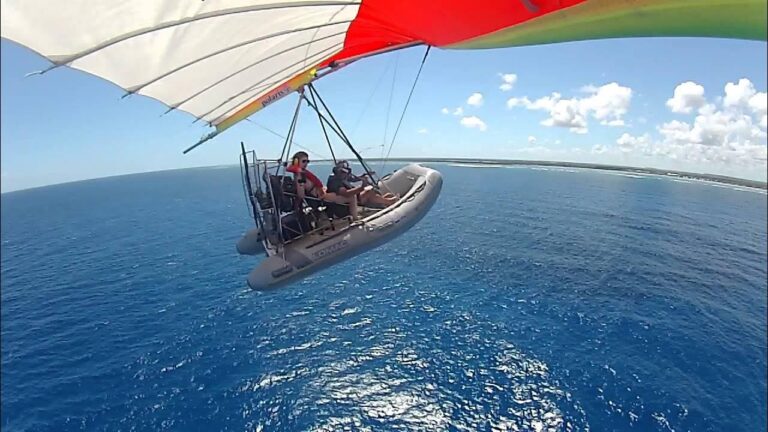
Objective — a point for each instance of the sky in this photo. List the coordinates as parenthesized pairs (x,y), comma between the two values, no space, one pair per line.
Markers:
(691,104)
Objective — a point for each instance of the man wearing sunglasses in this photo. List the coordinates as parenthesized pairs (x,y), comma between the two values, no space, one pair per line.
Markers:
(340,183)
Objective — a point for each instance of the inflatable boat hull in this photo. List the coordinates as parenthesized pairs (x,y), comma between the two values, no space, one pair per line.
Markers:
(419,188)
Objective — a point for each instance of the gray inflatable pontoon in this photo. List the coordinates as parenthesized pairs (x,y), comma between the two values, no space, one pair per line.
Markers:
(333,240)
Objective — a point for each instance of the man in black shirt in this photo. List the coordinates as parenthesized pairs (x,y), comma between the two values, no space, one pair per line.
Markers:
(340,184)
(337,181)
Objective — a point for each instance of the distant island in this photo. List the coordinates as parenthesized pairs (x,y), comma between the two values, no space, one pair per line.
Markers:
(670,173)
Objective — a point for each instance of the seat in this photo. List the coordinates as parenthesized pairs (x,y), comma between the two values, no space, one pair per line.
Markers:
(296,223)
(292,226)
(335,210)
(278,185)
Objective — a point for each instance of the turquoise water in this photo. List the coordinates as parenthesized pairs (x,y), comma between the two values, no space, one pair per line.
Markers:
(527,298)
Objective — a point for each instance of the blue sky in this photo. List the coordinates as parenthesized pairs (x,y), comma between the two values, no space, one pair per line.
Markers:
(673,103)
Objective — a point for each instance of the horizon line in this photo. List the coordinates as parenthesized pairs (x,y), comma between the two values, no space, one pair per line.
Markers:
(719,178)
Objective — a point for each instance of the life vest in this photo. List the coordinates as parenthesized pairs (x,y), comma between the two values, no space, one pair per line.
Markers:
(296,169)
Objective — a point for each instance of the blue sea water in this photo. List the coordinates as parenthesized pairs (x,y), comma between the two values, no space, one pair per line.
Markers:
(528,299)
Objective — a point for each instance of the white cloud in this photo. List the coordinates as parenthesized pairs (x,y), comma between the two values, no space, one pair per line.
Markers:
(688,96)
(738,94)
(675,132)
(607,104)
(759,153)
(546,102)
(473,122)
(423,131)
(598,148)
(732,134)
(509,81)
(566,113)
(531,140)
(455,111)
(628,143)
(476,99)
(515,102)
(758,104)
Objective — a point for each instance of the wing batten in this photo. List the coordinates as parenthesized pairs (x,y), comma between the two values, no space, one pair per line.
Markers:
(240,45)
(176,105)
(256,87)
(62,59)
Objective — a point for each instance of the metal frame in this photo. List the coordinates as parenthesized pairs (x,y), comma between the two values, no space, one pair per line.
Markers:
(257,173)
(258,189)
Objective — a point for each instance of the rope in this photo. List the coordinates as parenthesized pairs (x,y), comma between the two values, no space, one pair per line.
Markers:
(406,105)
(289,139)
(369,148)
(370,96)
(322,125)
(322,156)
(389,108)
(337,129)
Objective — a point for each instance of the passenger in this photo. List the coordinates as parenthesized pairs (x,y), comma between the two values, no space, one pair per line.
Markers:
(365,178)
(314,187)
(340,184)
(298,166)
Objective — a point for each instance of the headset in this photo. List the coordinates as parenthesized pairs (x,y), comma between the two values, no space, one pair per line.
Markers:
(295,160)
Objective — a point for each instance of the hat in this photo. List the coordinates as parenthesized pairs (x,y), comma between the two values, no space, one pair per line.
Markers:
(342,166)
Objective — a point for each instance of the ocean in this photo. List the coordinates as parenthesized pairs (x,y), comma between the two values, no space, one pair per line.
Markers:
(527,299)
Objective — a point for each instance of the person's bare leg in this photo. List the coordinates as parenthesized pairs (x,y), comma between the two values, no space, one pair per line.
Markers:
(370,197)
(352,201)
(385,201)
(365,196)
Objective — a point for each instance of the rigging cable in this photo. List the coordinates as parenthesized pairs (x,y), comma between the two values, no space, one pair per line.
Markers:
(406,105)
(337,129)
(322,125)
(389,109)
(288,139)
(322,156)
(370,97)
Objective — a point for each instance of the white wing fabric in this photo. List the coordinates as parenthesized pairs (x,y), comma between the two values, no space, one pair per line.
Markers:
(209,58)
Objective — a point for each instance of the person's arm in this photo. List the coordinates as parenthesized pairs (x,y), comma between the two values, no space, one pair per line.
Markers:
(343,191)
(361,178)
(366,178)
